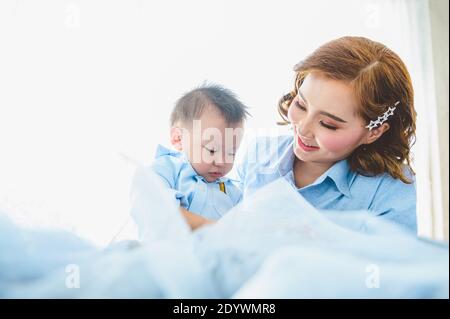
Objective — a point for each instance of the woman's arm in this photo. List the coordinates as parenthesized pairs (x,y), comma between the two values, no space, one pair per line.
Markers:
(195,221)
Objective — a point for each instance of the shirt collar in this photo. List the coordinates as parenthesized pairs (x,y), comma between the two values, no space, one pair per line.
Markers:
(222,179)
(162,151)
(339,173)
(286,163)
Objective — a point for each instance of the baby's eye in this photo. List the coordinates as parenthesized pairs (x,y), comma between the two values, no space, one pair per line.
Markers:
(211,151)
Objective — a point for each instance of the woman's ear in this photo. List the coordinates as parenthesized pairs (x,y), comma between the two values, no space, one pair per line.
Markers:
(376,133)
(176,138)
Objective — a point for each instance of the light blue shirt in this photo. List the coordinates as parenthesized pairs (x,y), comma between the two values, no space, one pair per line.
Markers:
(339,188)
(191,190)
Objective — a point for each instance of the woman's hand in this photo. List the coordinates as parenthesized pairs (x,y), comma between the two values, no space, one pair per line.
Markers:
(195,221)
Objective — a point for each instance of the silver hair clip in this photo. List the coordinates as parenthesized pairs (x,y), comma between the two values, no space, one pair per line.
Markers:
(381,119)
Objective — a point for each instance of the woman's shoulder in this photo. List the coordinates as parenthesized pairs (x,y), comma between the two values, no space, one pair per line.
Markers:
(386,193)
(263,157)
(385,180)
(267,140)
(396,200)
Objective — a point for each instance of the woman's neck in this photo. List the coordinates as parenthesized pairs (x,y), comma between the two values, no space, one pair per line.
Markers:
(305,173)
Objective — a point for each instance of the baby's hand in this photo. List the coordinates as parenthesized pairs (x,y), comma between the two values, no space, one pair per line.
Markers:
(195,221)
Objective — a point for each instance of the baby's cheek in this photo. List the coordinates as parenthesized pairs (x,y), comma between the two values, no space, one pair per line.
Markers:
(338,143)
(228,167)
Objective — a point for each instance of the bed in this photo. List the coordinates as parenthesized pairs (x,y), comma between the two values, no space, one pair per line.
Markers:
(273,245)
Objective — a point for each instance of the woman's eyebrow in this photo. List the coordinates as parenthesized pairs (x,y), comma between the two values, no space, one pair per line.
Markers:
(334,117)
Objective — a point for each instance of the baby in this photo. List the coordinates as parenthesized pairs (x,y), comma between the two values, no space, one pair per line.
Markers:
(206,131)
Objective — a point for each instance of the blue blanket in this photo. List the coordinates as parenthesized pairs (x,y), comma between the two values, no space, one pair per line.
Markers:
(272,245)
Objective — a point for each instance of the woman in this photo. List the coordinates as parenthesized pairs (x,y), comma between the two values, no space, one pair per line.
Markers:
(353,119)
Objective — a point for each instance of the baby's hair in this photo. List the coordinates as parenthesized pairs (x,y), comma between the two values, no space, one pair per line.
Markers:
(191,105)
(379,79)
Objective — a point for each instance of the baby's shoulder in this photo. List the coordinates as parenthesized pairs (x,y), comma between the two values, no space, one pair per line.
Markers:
(168,163)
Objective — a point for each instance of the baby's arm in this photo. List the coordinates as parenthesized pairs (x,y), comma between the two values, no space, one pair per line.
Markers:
(195,221)
(167,171)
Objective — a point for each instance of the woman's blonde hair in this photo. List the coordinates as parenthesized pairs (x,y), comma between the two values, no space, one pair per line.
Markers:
(379,79)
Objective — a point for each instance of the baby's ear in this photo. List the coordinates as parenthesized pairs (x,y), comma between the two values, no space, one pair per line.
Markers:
(176,138)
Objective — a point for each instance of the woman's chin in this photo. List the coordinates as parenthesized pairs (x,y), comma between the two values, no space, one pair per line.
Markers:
(301,155)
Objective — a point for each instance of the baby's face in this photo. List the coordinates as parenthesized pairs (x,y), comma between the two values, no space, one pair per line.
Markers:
(211,143)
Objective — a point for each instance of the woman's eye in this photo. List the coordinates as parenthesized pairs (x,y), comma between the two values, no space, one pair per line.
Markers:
(301,107)
(328,126)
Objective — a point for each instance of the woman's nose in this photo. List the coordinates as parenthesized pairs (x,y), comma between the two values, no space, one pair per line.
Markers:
(305,128)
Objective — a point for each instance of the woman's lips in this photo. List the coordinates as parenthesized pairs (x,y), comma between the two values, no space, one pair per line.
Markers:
(306,147)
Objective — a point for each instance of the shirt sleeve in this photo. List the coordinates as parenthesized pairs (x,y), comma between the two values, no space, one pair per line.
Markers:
(240,177)
(167,171)
(256,167)
(242,166)
(236,192)
(396,201)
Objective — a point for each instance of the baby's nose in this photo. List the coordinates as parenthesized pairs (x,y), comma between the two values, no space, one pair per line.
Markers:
(218,161)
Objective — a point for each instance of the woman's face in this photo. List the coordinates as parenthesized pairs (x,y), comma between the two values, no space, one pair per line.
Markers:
(325,122)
